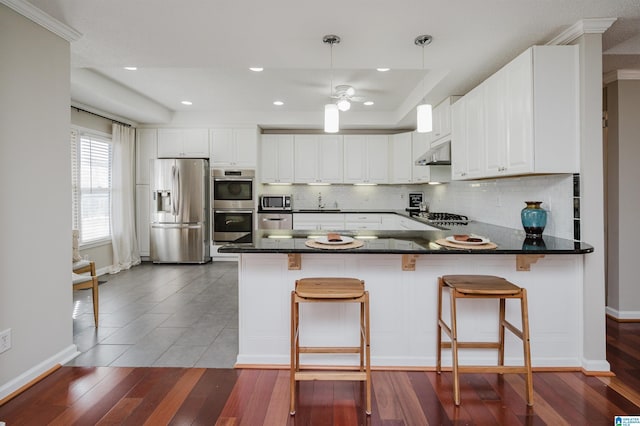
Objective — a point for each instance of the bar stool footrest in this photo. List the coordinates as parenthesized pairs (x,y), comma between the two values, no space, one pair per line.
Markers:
(330,350)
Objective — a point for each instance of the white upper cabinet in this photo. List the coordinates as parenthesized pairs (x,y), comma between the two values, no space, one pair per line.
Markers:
(442,121)
(318,158)
(366,159)
(468,135)
(146,145)
(401,158)
(277,159)
(521,120)
(234,147)
(187,143)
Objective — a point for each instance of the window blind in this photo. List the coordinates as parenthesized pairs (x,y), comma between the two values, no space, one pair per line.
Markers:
(91,169)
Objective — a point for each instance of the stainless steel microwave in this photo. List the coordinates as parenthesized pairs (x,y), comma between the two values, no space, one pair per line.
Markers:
(275,202)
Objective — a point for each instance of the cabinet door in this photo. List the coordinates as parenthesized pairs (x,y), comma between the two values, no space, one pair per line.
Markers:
(269,158)
(277,158)
(330,152)
(285,158)
(143,218)
(169,143)
(476,136)
(245,143)
(355,158)
(519,114)
(377,159)
(146,146)
(459,140)
(195,143)
(306,158)
(221,146)
(496,118)
(401,158)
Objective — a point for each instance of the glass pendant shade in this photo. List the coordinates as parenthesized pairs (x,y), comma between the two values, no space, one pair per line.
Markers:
(424,118)
(331,118)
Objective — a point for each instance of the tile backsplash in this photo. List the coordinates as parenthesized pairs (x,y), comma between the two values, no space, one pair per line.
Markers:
(496,201)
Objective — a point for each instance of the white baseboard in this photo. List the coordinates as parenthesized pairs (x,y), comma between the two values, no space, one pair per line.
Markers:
(38,370)
(622,315)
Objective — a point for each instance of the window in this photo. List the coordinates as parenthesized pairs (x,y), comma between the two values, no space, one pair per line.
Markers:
(91,186)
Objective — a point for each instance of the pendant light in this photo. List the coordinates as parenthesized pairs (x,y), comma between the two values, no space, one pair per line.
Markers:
(424,114)
(331,112)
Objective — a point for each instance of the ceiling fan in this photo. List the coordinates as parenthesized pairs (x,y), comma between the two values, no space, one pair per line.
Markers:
(345,94)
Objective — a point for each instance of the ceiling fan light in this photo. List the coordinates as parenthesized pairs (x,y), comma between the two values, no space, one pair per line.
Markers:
(424,118)
(331,118)
(344,105)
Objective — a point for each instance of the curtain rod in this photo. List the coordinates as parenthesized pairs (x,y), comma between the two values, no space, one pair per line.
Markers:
(101,116)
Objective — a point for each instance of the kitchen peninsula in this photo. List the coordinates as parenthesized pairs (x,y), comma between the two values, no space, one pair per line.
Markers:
(400,270)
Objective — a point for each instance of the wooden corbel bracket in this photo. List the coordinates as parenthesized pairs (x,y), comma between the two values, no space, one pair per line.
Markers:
(524,261)
(295,261)
(409,262)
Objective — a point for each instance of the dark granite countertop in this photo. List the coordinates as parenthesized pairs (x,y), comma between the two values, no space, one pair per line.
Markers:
(508,240)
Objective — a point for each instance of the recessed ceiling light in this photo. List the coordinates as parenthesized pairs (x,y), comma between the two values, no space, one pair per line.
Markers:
(278,103)
(383,69)
(368,103)
(130,68)
(256,69)
(186,103)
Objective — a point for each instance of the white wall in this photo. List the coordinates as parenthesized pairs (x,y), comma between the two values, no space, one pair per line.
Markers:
(35,288)
(623,149)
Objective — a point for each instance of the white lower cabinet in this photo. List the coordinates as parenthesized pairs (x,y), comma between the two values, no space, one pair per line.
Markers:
(318,221)
(362,221)
(143,217)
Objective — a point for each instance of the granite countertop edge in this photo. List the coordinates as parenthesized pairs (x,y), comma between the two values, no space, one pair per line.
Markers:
(508,241)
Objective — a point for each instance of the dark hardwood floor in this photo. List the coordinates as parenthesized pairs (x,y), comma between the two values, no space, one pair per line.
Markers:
(195,396)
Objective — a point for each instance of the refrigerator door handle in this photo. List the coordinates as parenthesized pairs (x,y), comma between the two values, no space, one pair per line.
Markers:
(179,197)
(174,195)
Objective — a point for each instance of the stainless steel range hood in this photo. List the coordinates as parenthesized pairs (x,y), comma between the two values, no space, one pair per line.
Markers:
(438,155)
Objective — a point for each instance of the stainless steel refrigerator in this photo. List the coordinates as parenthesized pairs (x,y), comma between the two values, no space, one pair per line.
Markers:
(179,210)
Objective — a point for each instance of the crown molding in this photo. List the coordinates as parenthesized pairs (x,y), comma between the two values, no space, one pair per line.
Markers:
(621,75)
(43,19)
(584,26)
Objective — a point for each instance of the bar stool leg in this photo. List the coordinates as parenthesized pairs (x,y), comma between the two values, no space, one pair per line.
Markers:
(526,345)
(454,347)
(293,365)
(439,342)
(368,349)
(362,336)
(501,320)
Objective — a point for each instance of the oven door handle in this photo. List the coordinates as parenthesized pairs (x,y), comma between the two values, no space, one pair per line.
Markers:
(232,211)
(233,179)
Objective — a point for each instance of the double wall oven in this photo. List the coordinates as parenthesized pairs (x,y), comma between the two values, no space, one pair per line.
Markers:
(233,205)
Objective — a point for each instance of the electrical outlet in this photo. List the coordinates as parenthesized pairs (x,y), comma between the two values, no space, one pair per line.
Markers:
(5,340)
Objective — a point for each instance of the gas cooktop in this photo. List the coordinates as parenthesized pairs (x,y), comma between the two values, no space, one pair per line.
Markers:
(440,218)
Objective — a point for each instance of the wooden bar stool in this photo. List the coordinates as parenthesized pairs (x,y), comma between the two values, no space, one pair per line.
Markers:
(483,287)
(330,290)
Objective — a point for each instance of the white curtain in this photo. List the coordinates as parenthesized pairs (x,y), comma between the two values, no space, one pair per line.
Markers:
(123,219)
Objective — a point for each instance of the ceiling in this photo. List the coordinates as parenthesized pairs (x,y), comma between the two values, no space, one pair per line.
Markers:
(200,50)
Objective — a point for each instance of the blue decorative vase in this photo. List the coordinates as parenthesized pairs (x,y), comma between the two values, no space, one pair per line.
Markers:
(534,219)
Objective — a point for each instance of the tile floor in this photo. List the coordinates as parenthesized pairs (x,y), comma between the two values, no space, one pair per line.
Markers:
(161,315)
